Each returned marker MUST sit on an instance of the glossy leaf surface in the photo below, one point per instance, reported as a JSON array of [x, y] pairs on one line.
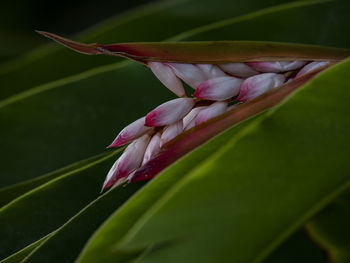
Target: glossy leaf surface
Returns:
[[50, 205], [277, 175], [165, 229]]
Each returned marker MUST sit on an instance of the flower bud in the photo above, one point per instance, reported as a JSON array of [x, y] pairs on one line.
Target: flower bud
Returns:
[[277, 66], [311, 66], [254, 86], [211, 111], [189, 73], [153, 148], [189, 119], [218, 89], [238, 69], [211, 71], [129, 161], [130, 132], [171, 132], [169, 112], [167, 76]]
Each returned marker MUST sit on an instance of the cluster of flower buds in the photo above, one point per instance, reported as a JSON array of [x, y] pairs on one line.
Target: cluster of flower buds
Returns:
[[218, 88]]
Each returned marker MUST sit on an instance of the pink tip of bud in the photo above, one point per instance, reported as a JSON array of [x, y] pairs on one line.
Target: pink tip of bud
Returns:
[[169, 112], [254, 86], [221, 88], [171, 132], [167, 76], [152, 149], [128, 162], [210, 112], [130, 132], [238, 69], [110, 178], [276, 66], [310, 67], [189, 73]]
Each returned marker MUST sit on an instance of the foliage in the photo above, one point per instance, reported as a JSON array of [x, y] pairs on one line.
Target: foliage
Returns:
[[243, 196]]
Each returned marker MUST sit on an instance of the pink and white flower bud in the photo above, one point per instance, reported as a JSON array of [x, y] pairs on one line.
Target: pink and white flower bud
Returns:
[[153, 148], [218, 89], [132, 157], [167, 76], [169, 112], [128, 162], [238, 69], [276, 66], [254, 86], [110, 178], [189, 73], [210, 112], [171, 132], [311, 66], [211, 71], [189, 120], [130, 132]]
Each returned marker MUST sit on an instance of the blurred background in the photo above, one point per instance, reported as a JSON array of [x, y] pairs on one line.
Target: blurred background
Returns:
[[19, 19]]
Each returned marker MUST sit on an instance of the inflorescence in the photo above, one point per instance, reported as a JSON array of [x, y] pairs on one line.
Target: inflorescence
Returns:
[[218, 88]]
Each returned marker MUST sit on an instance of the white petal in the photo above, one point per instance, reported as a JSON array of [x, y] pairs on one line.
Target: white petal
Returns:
[[210, 112], [211, 71], [153, 148], [167, 76], [110, 178], [238, 69], [130, 132], [188, 120], [169, 112], [311, 66], [276, 66], [189, 73], [132, 157], [171, 132], [221, 88], [254, 86]]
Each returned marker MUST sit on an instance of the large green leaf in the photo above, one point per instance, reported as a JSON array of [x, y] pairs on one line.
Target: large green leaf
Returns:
[[320, 24], [241, 201], [330, 229], [57, 116], [45, 208], [10, 193], [59, 123], [23, 253], [297, 248], [153, 23], [82, 225]]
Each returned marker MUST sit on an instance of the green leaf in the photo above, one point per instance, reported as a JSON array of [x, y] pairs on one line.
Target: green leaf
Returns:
[[156, 22], [310, 22], [20, 255], [330, 229], [59, 123], [45, 208], [10, 193], [297, 248], [241, 201], [61, 247]]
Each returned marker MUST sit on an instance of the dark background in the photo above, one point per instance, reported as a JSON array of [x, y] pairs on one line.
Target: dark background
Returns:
[[19, 19]]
